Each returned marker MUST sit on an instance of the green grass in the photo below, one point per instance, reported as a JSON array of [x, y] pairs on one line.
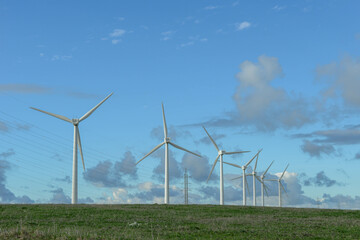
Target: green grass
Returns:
[[174, 222]]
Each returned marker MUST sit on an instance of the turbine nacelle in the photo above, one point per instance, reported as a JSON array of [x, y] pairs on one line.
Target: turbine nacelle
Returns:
[[221, 152], [167, 140], [75, 121]]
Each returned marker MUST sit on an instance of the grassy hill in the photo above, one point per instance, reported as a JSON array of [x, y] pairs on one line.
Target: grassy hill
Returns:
[[174, 222]]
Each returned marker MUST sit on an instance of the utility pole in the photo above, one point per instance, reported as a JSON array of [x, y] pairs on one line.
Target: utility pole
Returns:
[[186, 187]]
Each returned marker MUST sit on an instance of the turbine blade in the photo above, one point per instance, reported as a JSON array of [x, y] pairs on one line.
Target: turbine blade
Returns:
[[232, 164], [237, 178], [80, 148], [54, 115], [154, 149], [282, 186], [247, 185], [212, 169], [173, 144], [164, 120], [217, 148], [86, 115], [253, 158], [257, 158], [259, 179], [228, 153], [267, 169], [284, 172], [270, 180], [266, 191]]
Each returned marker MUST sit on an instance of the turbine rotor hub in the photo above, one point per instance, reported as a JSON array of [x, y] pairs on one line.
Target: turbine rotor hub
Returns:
[[75, 121], [221, 152], [167, 140]]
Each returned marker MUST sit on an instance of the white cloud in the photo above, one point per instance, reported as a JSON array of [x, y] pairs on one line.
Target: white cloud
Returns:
[[211, 7], [119, 195], [193, 40], [278, 8], [263, 105], [115, 36], [117, 33], [243, 25], [61, 57], [146, 186], [120, 18], [342, 79], [187, 44], [167, 35]]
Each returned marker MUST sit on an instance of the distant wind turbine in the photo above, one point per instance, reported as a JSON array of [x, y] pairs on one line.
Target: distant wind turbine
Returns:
[[263, 186], [220, 154], [77, 143], [280, 185], [244, 175], [166, 142]]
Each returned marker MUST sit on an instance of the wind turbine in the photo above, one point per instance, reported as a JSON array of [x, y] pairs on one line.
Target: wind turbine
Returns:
[[244, 175], [166, 142], [220, 154], [263, 186], [280, 185], [77, 143]]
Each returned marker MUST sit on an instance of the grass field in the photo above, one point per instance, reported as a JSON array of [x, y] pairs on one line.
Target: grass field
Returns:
[[174, 222]]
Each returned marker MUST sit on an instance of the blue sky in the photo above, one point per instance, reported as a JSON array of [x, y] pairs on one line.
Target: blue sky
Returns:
[[277, 75]]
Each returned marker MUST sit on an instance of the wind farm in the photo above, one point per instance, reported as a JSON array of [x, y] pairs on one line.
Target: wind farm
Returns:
[[179, 119]]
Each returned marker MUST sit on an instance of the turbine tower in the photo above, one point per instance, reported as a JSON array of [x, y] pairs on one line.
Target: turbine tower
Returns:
[[220, 154], [166, 142], [77, 143], [244, 175], [263, 186], [280, 185], [255, 176]]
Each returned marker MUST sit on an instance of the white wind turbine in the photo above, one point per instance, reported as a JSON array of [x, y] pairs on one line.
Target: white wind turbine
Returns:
[[263, 186], [280, 185], [220, 154], [77, 143], [166, 142], [244, 175]]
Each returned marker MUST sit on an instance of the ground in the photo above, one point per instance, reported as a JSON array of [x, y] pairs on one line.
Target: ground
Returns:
[[49, 221]]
